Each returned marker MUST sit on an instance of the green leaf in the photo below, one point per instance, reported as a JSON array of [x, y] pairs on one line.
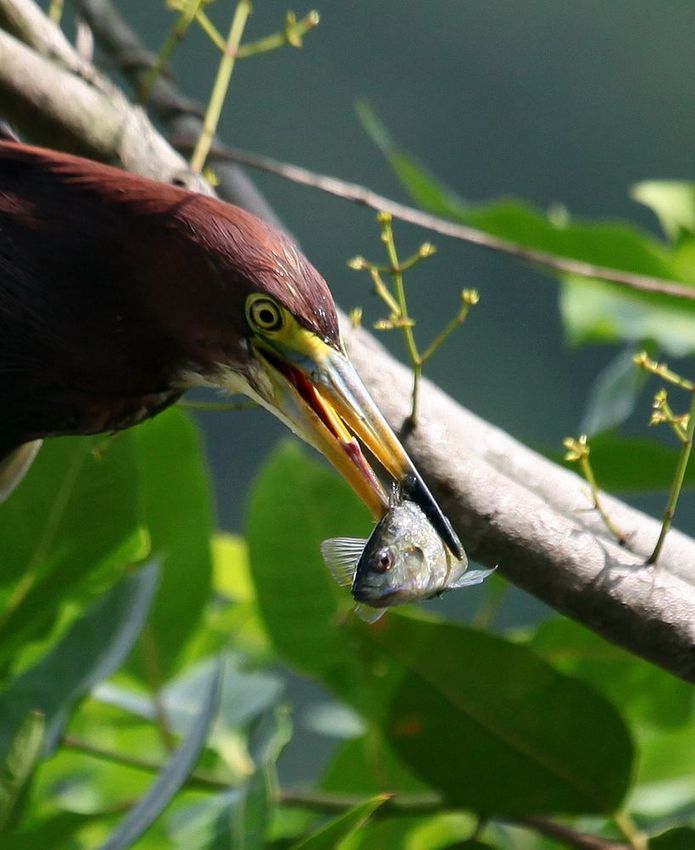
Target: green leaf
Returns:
[[422, 186], [331, 836], [51, 832], [416, 832], [294, 505], [673, 201], [593, 311], [643, 691], [205, 825], [256, 803], [613, 394], [177, 508], [368, 765], [72, 524], [680, 838], [22, 756], [494, 728], [95, 646], [171, 778], [632, 465]]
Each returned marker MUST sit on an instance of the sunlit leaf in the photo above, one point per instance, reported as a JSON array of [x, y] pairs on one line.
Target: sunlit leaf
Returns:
[[331, 836], [20, 760], [294, 505], [171, 778], [415, 832], [680, 838], [593, 311], [641, 690], [205, 825], [177, 507], [256, 803], [73, 522], [494, 728], [95, 646], [673, 201], [53, 831]]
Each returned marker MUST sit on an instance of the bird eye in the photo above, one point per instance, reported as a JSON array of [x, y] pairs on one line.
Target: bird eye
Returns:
[[384, 561], [264, 314]]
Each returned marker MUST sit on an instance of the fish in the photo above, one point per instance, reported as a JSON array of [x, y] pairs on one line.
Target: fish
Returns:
[[404, 560]]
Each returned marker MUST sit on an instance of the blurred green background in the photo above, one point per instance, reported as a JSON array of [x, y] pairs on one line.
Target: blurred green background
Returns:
[[565, 103]]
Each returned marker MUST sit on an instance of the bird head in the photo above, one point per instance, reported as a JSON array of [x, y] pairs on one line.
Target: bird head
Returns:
[[290, 357]]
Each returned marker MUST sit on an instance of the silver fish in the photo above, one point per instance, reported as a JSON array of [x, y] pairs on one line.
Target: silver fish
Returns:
[[404, 560]]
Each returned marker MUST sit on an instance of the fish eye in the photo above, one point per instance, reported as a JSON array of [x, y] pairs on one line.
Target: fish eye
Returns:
[[384, 561], [263, 314]]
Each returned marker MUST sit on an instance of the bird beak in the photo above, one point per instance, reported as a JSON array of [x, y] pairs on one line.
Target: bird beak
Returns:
[[320, 396]]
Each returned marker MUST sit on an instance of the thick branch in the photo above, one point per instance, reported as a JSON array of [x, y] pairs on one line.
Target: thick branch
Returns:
[[511, 506]]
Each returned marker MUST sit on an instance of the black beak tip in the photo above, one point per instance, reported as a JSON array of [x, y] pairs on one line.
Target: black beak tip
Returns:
[[416, 490]]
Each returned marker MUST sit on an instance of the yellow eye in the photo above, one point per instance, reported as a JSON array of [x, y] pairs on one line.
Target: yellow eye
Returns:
[[264, 314]]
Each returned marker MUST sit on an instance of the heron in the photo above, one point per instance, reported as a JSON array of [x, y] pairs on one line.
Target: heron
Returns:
[[119, 293]]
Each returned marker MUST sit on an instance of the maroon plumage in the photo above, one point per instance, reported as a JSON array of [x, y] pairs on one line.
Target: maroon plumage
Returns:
[[112, 286]]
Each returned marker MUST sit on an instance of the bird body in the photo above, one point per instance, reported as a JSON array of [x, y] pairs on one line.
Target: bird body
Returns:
[[119, 293]]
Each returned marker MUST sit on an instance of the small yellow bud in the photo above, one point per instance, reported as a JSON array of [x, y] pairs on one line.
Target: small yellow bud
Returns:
[[356, 317], [426, 250], [384, 217], [470, 296], [359, 264]]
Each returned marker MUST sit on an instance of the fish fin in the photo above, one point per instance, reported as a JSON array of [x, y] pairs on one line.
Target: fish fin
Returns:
[[341, 555], [369, 614], [471, 577], [15, 465]]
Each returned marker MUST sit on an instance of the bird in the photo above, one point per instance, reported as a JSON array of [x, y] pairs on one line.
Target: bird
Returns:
[[119, 293]]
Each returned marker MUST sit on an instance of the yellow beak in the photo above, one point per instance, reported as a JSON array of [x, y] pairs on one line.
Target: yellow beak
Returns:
[[320, 396]]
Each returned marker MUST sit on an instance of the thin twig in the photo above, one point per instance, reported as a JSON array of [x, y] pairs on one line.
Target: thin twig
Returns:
[[198, 780], [677, 484], [579, 450], [636, 839], [570, 837], [176, 35], [362, 195], [221, 85], [334, 803]]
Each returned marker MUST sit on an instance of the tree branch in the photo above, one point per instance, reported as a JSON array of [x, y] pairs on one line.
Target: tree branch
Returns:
[[366, 197], [511, 506]]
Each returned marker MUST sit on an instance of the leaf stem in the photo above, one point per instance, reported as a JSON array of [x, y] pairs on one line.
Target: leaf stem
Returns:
[[635, 838], [677, 484], [661, 370], [199, 780], [221, 85], [292, 34], [363, 196], [578, 450], [386, 220], [176, 35], [470, 297]]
